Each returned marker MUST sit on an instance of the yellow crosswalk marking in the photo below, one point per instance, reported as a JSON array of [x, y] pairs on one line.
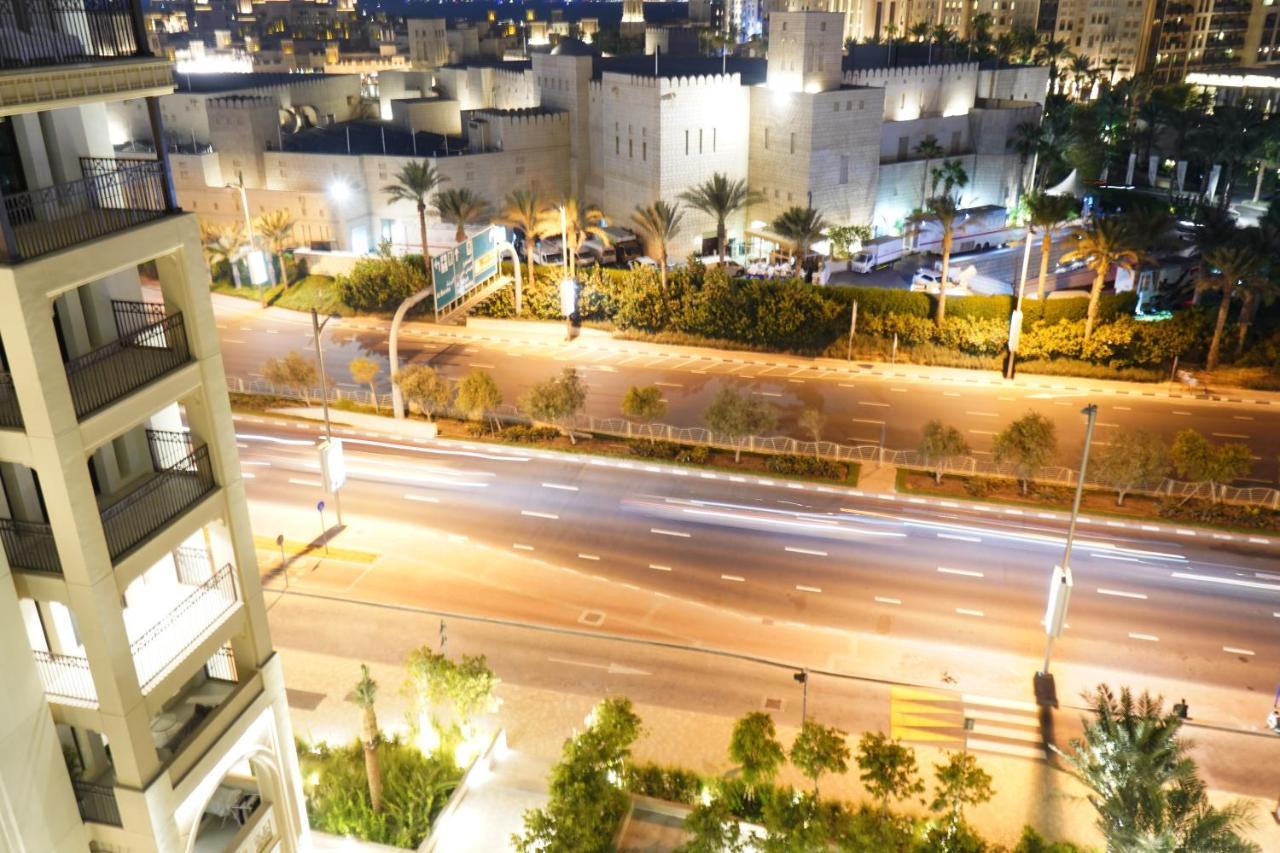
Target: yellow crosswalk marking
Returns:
[[922, 693], [922, 735]]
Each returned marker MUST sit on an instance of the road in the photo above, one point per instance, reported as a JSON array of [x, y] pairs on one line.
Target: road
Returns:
[[858, 407]]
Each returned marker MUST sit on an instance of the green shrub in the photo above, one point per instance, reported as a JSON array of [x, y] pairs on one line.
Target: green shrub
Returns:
[[977, 487], [415, 787], [696, 454], [807, 466], [381, 284], [676, 784], [646, 449], [998, 308], [1226, 515], [524, 434]]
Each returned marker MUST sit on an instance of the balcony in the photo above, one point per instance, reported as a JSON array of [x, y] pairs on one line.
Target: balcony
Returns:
[[66, 679], [190, 615], [35, 33], [97, 803], [29, 546], [10, 414], [150, 345], [182, 476], [113, 195]]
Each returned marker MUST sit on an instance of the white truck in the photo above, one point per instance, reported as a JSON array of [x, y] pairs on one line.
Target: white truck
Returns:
[[975, 228], [876, 254]]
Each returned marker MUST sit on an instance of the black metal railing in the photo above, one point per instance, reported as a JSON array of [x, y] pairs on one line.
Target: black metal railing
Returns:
[[115, 195], [161, 497], [35, 33], [132, 317], [10, 414], [29, 545], [106, 374], [155, 650], [66, 677], [97, 803]]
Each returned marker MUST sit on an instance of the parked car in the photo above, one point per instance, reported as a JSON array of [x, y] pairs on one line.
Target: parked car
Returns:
[[732, 267], [644, 261], [930, 281]]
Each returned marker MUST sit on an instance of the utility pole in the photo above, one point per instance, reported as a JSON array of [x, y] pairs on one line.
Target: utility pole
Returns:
[[853, 328], [316, 328]]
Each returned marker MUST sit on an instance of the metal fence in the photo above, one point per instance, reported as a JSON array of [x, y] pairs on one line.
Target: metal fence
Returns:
[[10, 413], [222, 665], [30, 546], [155, 650], [161, 498], [66, 678], [1054, 475], [104, 375], [97, 803], [57, 32]]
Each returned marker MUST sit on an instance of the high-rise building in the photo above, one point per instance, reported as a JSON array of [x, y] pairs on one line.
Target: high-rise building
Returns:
[[1201, 35], [143, 707], [1111, 33]]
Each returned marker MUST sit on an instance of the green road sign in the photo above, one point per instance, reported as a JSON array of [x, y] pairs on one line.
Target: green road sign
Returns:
[[468, 264]]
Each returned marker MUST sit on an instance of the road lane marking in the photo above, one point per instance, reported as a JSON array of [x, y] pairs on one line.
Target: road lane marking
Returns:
[[560, 486], [520, 547], [588, 557], [1187, 576], [1185, 414], [897, 390], [962, 572], [1229, 435], [984, 414], [873, 403], [982, 431], [661, 532], [658, 568], [1150, 638], [964, 611], [300, 482], [481, 365], [1241, 417], [1121, 593], [957, 536], [1123, 408], [886, 600], [805, 551], [804, 588], [668, 384], [1114, 557], [734, 578], [767, 393], [951, 393], [533, 514], [1232, 650], [248, 475], [426, 499]]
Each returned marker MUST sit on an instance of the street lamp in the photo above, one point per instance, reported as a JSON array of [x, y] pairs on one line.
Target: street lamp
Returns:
[[1060, 586], [248, 230], [331, 453]]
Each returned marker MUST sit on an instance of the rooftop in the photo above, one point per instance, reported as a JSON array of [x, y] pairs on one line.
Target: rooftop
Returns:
[[372, 137], [209, 84], [753, 71]]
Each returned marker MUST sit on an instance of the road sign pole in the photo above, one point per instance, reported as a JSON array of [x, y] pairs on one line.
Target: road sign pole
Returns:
[[324, 530], [284, 567]]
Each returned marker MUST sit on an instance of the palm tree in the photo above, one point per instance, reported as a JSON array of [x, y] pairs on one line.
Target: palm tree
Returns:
[[366, 691], [919, 30], [523, 211], [459, 207], [719, 197], [222, 243], [276, 230], [944, 209], [1048, 212], [580, 221], [1051, 52], [1083, 74], [951, 175], [1225, 269], [415, 182], [1103, 243], [659, 222], [1028, 137], [800, 226], [928, 148]]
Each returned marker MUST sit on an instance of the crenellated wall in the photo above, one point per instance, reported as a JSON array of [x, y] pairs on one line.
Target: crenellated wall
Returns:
[[921, 90]]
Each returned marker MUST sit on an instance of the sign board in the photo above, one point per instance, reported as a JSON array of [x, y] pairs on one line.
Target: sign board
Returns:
[[333, 465], [568, 297], [1015, 330], [258, 273], [468, 264], [1055, 614]]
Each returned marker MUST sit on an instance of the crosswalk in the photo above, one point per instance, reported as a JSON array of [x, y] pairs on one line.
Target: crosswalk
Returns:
[[948, 718]]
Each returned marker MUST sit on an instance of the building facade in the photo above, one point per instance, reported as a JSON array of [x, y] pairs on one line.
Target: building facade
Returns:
[[144, 705]]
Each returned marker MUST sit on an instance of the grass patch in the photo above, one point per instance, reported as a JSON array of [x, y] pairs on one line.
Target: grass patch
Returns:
[[1093, 502], [314, 291]]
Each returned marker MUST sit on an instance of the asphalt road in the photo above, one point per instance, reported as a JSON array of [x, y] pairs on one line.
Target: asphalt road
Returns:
[[857, 409]]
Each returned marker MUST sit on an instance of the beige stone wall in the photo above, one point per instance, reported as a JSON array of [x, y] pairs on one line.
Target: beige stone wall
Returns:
[[917, 91]]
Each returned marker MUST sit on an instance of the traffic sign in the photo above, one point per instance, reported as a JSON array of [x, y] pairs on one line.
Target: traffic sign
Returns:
[[457, 271]]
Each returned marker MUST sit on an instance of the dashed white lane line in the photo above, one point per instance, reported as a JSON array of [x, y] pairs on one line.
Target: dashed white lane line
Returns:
[[534, 514], [1119, 593], [898, 390], [886, 600], [951, 393], [297, 481], [734, 578], [1187, 576], [661, 532], [803, 588], [1114, 557], [423, 499], [1123, 408], [1241, 417], [983, 431], [592, 557], [967, 573], [1229, 435], [965, 611], [519, 547], [873, 403], [805, 551], [958, 537], [248, 475], [668, 384], [560, 486], [1232, 650], [1184, 414], [1150, 638], [481, 365], [984, 414], [658, 568]]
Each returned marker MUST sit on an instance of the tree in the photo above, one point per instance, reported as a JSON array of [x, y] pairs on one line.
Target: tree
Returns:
[[939, 443], [1133, 459], [1052, 52], [811, 422], [819, 749], [800, 226], [944, 209], [276, 230], [221, 244], [719, 197], [959, 782], [366, 691], [450, 694], [951, 175], [736, 416], [477, 395], [524, 211], [714, 829], [294, 371], [1028, 443], [423, 385], [415, 182], [585, 805], [580, 222], [1227, 267], [1103, 243], [659, 223], [644, 403], [1047, 213], [1195, 459], [381, 284], [460, 207], [1259, 289], [1143, 785], [557, 400], [365, 371], [755, 746], [929, 149], [889, 769]]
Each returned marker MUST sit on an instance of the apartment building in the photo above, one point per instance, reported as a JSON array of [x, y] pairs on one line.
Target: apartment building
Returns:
[[144, 707], [1185, 36]]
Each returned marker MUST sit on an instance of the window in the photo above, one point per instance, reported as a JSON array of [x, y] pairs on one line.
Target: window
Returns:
[[699, 140], [713, 140], [617, 145], [686, 142], [793, 142], [644, 151], [844, 168], [766, 139], [904, 145], [955, 142], [631, 149]]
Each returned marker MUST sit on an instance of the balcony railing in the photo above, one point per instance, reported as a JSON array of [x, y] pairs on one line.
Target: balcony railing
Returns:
[[104, 375], [67, 679], [222, 665], [97, 803], [177, 483], [167, 641], [34, 33], [10, 414], [112, 196], [29, 545]]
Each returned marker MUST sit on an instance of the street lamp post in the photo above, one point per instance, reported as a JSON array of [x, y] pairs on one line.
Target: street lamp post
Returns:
[[1060, 586], [248, 227], [316, 328]]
